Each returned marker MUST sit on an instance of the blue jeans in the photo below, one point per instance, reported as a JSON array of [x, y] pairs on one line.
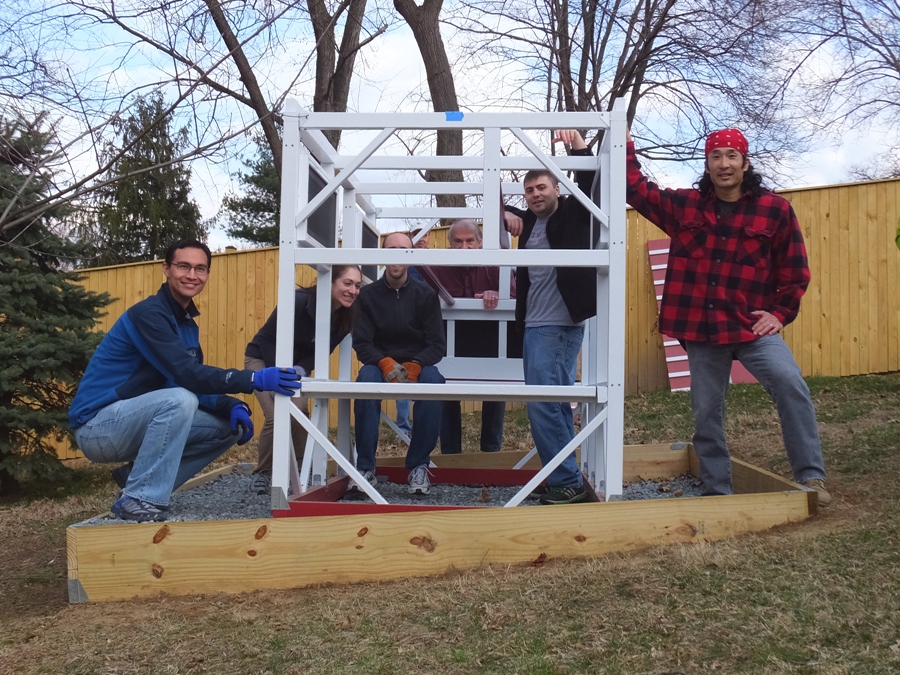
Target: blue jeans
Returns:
[[426, 422], [403, 415], [492, 414], [168, 438], [550, 357], [770, 361]]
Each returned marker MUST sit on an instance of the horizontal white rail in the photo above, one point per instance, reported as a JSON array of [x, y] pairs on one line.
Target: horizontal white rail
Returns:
[[423, 188], [453, 391], [463, 163], [543, 121], [437, 257]]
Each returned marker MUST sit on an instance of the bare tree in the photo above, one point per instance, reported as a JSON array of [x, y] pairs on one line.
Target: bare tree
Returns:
[[334, 64], [230, 65], [424, 21], [857, 42], [250, 36], [853, 48], [885, 166], [689, 66]]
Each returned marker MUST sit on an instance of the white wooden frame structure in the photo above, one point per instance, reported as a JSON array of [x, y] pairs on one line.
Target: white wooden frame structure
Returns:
[[306, 151]]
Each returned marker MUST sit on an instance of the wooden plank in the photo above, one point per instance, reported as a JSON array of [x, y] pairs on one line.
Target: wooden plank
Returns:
[[124, 561], [801, 329], [889, 203], [857, 254], [841, 262], [641, 462], [196, 481], [876, 281], [218, 324], [831, 296], [647, 462], [749, 479], [811, 307]]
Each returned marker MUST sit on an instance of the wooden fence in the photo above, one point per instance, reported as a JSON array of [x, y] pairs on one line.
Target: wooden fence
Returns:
[[849, 323]]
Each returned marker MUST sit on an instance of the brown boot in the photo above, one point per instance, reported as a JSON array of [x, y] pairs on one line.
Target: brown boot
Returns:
[[818, 485]]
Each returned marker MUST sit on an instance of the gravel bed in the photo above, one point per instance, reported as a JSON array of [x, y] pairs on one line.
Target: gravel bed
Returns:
[[229, 498]]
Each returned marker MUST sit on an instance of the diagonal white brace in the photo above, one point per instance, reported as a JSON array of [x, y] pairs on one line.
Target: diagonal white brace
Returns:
[[556, 461], [345, 174], [336, 455], [393, 425], [552, 167], [522, 462]]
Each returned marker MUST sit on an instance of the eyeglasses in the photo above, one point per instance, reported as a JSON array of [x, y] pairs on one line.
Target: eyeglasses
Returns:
[[184, 268]]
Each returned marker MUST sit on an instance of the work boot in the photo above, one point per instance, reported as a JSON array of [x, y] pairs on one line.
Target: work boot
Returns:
[[818, 485]]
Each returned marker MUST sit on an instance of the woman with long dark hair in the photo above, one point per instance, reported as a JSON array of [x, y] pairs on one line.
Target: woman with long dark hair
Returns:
[[260, 353]]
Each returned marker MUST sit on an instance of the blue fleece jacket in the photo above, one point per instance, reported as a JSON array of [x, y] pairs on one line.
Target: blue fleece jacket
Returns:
[[155, 345]]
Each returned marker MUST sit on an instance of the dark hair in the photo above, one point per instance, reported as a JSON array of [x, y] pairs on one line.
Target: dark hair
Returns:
[[752, 183], [540, 173], [342, 319], [188, 243]]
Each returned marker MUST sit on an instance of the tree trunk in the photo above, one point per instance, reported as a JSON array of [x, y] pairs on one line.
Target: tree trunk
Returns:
[[334, 68], [258, 101], [423, 21], [564, 55]]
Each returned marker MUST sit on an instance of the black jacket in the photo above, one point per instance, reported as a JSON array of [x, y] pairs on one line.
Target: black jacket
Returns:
[[404, 324], [262, 346], [568, 228]]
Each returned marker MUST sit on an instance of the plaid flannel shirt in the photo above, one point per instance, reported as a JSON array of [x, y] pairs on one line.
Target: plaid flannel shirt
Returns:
[[722, 267]]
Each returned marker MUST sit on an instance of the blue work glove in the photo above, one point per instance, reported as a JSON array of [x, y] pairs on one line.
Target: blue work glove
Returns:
[[241, 422], [277, 380]]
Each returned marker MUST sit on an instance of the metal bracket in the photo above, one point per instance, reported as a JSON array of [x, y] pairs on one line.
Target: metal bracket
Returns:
[[76, 592]]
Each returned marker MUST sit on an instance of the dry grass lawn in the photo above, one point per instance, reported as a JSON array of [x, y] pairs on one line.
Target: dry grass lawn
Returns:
[[819, 597]]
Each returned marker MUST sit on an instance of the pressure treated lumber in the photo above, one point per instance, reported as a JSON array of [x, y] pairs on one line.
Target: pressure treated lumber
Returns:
[[117, 562]]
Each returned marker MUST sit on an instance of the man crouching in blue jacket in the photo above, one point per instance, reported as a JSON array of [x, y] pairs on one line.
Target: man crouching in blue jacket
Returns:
[[146, 396]]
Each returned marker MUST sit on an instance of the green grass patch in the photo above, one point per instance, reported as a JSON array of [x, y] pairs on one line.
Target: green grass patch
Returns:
[[818, 598]]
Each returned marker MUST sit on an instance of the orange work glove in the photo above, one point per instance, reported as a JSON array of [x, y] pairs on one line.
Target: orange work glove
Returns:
[[412, 371], [391, 371]]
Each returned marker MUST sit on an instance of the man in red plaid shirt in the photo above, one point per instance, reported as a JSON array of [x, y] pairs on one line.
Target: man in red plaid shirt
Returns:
[[737, 270]]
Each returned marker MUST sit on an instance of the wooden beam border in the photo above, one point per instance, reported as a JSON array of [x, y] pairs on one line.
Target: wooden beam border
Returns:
[[118, 562]]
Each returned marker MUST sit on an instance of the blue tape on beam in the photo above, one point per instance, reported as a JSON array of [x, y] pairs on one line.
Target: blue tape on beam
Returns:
[[454, 116]]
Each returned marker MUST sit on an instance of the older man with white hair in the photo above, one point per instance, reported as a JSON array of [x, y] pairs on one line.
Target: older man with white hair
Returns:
[[473, 338]]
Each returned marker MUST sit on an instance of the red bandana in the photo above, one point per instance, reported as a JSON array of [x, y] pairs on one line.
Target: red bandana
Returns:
[[727, 138]]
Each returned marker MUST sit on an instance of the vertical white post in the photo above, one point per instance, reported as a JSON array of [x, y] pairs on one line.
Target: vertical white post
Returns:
[[615, 422], [491, 197], [352, 231], [322, 361], [295, 179], [344, 443]]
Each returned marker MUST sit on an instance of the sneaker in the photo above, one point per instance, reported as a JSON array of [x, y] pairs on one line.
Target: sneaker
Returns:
[[418, 480], [121, 474], [539, 491], [370, 478], [261, 483], [818, 485], [562, 494], [129, 508]]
